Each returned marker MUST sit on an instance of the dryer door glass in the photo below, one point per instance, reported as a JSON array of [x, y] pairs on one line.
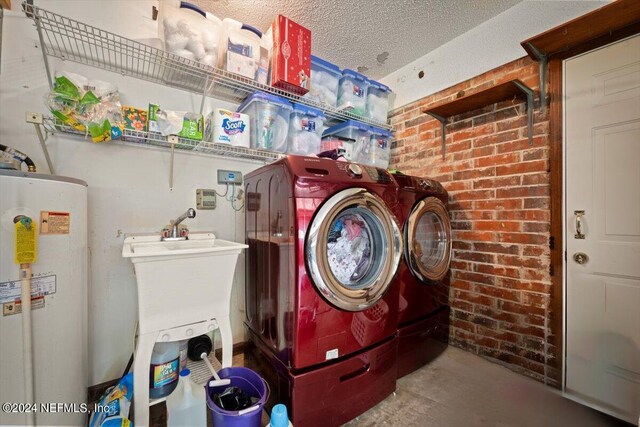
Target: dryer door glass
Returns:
[[428, 240], [353, 249]]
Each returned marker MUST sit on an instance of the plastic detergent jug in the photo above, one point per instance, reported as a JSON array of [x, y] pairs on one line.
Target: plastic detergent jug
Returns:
[[187, 406], [165, 364]]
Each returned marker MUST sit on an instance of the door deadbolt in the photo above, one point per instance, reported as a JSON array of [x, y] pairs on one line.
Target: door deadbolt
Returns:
[[578, 216], [580, 257]]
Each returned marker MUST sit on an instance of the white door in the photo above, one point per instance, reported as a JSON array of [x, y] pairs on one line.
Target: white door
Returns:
[[602, 125]]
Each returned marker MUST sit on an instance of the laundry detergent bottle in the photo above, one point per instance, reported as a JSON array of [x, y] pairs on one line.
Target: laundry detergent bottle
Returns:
[[279, 417], [164, 369]]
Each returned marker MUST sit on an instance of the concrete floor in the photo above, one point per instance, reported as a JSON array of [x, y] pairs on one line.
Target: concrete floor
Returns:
[[462, 389]]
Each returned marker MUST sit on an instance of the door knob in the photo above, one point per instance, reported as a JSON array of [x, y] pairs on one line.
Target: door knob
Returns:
[[580, 257]]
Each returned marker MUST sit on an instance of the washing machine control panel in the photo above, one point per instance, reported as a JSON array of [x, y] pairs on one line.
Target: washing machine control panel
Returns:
[[378, 175]]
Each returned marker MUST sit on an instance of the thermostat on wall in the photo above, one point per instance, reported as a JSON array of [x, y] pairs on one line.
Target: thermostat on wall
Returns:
[[205, 199]]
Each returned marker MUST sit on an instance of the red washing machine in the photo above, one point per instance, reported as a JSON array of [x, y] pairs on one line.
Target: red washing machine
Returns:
[[423, 281], [324, 248]]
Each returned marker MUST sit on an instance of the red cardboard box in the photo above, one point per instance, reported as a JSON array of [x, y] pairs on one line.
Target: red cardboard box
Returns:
[[291, 58]]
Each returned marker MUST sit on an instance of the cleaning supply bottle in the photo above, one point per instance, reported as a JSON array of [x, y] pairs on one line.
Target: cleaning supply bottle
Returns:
[[183, 354], [279, 416], [187, 406], [165, 364]]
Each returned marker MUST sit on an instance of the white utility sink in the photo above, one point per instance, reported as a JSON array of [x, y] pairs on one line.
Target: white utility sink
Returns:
[[153, 246], [181, 281], [184, 290]]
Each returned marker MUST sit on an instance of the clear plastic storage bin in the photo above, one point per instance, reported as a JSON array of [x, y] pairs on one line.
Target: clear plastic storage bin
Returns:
[[378, 101], [189, 31], [380, 150], [354, 136], [240, 49], [305, 130], [352, 92], [269, 118], [325, 79], [333, 142]]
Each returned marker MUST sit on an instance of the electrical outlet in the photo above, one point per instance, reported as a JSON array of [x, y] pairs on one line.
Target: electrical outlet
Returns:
[[205, 199], [229, 177]]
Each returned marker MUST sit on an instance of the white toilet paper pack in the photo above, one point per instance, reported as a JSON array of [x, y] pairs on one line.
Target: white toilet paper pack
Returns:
[[227, 127]]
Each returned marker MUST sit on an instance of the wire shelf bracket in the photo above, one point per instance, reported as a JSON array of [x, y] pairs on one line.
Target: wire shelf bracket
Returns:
[[37, 120]]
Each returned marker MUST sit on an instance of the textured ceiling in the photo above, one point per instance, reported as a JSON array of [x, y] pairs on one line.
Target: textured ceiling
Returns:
[[381, 35]]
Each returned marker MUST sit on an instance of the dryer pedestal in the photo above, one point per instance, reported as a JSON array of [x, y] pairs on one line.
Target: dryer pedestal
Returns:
[[347, 387], [422, 341]]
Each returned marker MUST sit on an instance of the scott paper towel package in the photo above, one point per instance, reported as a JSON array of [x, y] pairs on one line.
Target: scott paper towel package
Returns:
[[227, 127]]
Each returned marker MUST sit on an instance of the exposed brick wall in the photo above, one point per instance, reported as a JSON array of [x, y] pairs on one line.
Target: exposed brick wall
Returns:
[[499, 204]]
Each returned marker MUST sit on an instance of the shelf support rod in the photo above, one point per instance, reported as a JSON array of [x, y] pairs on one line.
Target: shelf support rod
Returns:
[[543, 60], [172, 139], [443, 131], [529, 93], [37, 120], [204, 94], [43, 50], [1, 19]]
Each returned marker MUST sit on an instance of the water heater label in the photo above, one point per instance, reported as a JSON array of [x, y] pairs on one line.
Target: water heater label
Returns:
[[9, 308], [11, 291], [25, 242], [54, 222]]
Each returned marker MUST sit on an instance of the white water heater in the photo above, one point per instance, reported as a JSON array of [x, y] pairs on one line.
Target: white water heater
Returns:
[[58, 209]]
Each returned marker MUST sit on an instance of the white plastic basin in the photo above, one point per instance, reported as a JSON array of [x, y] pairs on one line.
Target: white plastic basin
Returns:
[[181, 282], [198, 243]]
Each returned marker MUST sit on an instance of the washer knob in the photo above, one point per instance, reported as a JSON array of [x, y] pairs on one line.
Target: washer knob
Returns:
[[354, 170]]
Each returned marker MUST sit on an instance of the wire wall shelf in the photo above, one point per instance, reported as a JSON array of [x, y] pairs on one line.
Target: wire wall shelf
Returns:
[[72, 40], [52, 125]]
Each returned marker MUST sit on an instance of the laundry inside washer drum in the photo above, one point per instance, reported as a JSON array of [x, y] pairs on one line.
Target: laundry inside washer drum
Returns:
[[350, 247]]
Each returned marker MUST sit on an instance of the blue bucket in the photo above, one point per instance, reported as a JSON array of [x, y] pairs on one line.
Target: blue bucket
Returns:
[[249, 382]]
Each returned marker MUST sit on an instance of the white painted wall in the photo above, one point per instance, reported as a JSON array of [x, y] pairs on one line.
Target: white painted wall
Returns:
[[487, 46], [128, 187]]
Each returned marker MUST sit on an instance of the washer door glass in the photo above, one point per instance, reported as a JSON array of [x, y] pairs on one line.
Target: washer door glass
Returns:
[[353, 249], [428, 240], [355, 237]]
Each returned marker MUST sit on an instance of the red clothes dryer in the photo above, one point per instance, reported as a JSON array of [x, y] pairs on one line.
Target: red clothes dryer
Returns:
[[324, 248], [423, 281]]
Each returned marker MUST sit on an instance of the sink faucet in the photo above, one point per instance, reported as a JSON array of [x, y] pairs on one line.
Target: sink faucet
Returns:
[[171, 232]]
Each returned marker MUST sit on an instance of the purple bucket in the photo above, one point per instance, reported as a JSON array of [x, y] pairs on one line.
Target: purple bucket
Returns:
[[249, 382]]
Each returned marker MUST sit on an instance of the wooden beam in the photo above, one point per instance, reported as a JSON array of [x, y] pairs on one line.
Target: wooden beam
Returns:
[[605, 21], [5, 4], [556, 305]]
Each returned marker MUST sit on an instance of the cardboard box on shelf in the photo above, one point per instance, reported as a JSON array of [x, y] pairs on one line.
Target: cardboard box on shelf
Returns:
[[291, 56], [192, 126], [134, 118], [152, 119]]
